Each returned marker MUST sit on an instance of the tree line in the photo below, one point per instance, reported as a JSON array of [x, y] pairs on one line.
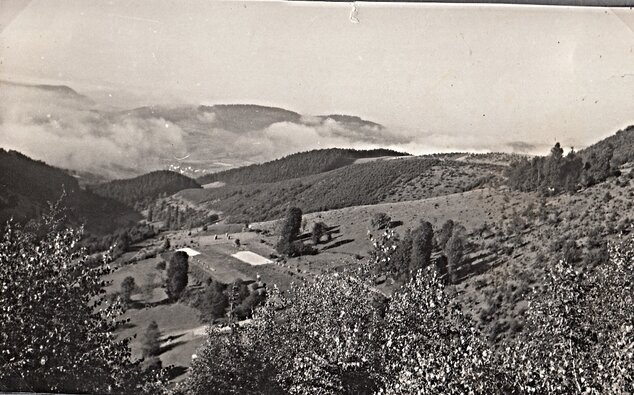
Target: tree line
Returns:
[[556, 173]]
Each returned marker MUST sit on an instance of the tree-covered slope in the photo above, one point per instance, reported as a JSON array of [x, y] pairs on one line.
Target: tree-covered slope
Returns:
[[366, 183], [296, 165], [145, 188], [27, 185], [620, 146]]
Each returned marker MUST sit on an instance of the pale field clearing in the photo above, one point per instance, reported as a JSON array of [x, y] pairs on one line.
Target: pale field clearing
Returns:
[[251, 258]]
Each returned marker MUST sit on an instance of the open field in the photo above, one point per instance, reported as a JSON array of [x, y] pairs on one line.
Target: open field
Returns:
[[251, 258]]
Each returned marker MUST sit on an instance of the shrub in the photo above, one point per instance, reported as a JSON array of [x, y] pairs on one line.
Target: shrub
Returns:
[[380, 221], [318, 231], [445, 233]]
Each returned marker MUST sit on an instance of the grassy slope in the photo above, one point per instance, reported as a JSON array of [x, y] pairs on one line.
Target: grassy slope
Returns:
[[502, 265]]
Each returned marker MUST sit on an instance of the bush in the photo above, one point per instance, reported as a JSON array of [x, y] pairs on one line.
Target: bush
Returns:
[[380, 221], [318, 231]]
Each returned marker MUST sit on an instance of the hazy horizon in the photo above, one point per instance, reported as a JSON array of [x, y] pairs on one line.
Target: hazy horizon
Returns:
[[439, 77]]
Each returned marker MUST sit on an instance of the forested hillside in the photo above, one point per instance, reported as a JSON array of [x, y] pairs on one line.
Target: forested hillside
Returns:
[[141, 190], [359, 184], [295, 165], [27, 186], [558, 172], [617, 146]]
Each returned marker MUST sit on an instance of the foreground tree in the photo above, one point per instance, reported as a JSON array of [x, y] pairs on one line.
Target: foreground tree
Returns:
[[230, 363], [429, 347], [580, 331], [57, 331], [322, 336]]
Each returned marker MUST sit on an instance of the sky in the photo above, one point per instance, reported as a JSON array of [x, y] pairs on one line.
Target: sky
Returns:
[[465, 75]]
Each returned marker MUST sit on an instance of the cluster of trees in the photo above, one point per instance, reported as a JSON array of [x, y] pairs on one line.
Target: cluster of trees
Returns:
[[294, 166], [118, 241], [236, 300], [290, 243], [401, 257], [57, 330], [140, 191], [336, 335], [556, 172]]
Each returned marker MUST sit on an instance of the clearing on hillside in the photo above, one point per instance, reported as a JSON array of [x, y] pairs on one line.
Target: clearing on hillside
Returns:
[[251, 258]]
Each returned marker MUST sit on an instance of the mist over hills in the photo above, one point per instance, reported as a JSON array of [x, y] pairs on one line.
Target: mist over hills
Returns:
[[69, 130]]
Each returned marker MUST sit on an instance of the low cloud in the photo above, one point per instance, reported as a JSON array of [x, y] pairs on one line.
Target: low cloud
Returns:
[[65, 130], [68, 130]]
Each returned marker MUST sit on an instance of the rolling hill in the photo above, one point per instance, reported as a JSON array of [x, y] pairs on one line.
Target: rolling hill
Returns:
[[145, 188], [27, 186], [296, 165], [399, 179]]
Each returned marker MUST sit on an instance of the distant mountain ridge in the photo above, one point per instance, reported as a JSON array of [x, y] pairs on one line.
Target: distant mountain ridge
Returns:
[[27, 185], [296, 165], [244, 117], [63, 90]]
